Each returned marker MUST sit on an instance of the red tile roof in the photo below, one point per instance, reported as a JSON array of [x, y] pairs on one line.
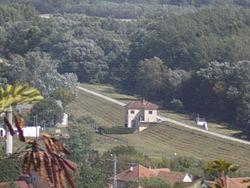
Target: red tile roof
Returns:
[[172, 176], [232, 183], [142, 104], [19, 184], [140, 171]]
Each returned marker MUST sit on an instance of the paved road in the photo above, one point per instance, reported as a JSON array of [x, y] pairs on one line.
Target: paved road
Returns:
[[102, 96], [168, 119]]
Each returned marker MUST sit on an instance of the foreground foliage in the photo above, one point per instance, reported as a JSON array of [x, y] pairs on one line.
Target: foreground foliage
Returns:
[[220, 170], [19, 94], [48, 163]]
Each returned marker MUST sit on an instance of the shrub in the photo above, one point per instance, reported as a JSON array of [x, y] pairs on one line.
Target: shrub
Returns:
[[176, 104], [119, 130]]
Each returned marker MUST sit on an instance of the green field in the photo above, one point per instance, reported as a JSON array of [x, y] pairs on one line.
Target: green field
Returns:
[[166, 140], [105, 114], [161, 140], [110, 91]]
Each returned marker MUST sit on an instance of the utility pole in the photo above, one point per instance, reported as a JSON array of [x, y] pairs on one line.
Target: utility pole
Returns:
[[36, 124], [9, 138], [44, 125], [114, 171]]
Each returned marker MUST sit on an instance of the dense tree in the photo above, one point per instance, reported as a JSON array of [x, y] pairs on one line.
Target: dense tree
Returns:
[[39, 70], [49, 111], [80, 142], [243, 112], [173, 82], [148, 183], [184, 39], [63, 95], [149, 77], [223, 89], [183, 164], [125, 156], [13, 169], [90, 172], [13, 12]]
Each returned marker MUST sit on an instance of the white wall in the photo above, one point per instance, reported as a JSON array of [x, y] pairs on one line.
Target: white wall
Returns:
[[141, 128], [187, 179], [150, 117], [31, 131], [131, 117], [65, 119], [27, 131]]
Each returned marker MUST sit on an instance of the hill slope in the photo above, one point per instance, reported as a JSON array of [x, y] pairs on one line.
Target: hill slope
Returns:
[[162, 140], [106, 114]]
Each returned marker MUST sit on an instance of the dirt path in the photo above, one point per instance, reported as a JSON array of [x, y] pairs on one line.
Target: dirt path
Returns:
[[168, 119]]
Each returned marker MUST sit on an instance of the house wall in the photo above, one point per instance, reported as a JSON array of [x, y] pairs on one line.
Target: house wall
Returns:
[[132, 117], [150, 117], [31, 131], [187, 179], [142, 128], [201, 123], [147, 116]]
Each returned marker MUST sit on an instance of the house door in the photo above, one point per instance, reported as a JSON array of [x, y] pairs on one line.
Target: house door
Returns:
[[133, 123]]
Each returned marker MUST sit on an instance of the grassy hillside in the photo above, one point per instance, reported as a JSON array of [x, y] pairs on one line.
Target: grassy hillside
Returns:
[[103, 112], [162, 140], [166, 140], [221, 128]]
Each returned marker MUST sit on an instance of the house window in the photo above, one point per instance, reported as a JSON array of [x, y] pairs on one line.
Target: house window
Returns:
[[132, 111], [150, 112]]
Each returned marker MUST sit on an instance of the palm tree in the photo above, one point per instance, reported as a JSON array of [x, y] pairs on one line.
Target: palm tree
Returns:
[[47, 161], [220, 168], [19, 94]]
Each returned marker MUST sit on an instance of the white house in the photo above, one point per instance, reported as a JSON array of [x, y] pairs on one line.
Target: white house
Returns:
[[202, 122], [27, 131], [138, 171], [140, 111], [31, 131], [64, 122]]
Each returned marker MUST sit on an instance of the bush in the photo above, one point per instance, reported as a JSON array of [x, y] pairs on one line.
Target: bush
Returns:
[[10, 169], [119, 130], [64, 95], [176, 104], [148, 183], [49, 111]]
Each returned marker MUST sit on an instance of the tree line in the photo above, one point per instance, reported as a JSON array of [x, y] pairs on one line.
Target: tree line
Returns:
[[195, 61]]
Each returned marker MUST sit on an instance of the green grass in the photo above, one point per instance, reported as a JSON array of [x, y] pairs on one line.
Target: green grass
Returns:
[[160, 140], [221, 128], [167, 139], [105, 114], [110, 91]]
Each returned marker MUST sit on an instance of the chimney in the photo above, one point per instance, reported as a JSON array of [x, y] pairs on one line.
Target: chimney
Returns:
[[131, 166], [143, 101]]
